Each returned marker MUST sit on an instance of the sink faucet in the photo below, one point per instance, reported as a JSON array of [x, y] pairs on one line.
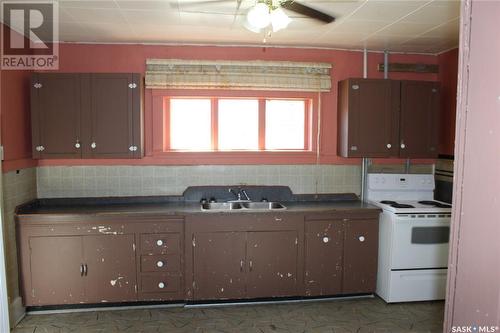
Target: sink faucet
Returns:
[[241, 193]]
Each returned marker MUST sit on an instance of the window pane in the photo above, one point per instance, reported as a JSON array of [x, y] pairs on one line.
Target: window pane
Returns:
[[285, 124], [190, 124], [238, 124]]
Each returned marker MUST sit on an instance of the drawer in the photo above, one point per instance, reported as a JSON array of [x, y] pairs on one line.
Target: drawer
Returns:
[[160, 283], [160, 243], [161, 263]]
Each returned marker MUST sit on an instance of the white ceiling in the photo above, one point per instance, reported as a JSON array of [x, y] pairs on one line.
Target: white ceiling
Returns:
[[425, 26]]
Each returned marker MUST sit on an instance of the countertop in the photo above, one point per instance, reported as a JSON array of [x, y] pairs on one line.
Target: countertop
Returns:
[[106, 207]]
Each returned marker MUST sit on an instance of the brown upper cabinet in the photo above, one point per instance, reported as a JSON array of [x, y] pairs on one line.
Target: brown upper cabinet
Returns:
[[418, 130], [86, 115], [55, 115], [387, 118]]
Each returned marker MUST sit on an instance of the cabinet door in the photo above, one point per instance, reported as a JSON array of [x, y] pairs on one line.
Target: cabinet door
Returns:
[[369, 118], [55, 115], [272, 263], [112, 122], [323, 257], [56, 271], [111, 269], [419, 119], [360, 256], [219, 265]]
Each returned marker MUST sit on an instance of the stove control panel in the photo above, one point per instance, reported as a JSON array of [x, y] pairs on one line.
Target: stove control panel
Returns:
[[395, 182]]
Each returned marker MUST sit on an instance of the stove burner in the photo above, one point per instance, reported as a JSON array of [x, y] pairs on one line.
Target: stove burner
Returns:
[[388, 202], [400, 205], [434, 203]]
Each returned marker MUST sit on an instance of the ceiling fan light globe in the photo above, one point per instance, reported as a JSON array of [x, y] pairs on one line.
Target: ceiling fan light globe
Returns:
[[251, 28], [259, 16], [279, 20]]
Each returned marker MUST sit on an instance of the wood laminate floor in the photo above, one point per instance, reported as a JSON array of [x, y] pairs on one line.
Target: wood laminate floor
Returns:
[[353, 316]]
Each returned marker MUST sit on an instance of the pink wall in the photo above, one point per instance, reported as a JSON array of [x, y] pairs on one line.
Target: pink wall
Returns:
[[473, 296], [448, 72], [131, 58], [15, 119]]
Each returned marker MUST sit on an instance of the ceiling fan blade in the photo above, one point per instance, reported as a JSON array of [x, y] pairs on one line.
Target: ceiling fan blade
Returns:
[[238, 5], [299, 8]]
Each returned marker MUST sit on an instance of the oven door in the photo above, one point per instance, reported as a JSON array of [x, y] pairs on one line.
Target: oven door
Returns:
[[420, 241]]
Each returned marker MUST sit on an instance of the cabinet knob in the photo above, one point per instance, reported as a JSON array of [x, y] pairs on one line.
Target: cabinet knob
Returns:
[[403, 146], [160, 264], [39, 148], [132, 85], [93, 145], [354, 148], [159, 242], [355, 87], [389, 146], [132, 148], [161, 285], [77, 145], [37, 85], [326, 239], [361, 238]]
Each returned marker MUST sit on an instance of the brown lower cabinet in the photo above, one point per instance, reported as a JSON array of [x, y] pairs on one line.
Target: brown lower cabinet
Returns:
[[95, 259], [73, 269], [360, 256], [243, 256], [341, 255], [324, 251], [219, 265]]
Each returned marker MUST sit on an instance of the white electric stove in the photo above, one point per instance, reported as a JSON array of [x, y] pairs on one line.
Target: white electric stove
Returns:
[[413, 237]]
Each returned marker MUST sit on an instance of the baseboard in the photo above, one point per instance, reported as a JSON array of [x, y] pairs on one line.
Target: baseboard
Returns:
[[16, 311]]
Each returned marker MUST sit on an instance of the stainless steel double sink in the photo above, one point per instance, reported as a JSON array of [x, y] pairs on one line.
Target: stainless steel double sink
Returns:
[[241, 206]]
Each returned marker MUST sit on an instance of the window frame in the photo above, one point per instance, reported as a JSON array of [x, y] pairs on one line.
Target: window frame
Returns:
[[214, 116], [159, 137]]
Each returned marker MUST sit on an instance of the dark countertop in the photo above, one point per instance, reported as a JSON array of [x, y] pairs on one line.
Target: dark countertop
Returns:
[[106, 207]]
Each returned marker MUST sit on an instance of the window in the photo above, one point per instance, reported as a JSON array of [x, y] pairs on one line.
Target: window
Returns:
[[285, 124], [190, 124], [238, 124]]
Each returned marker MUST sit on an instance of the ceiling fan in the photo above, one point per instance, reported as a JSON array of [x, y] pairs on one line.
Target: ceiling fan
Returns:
[[269, 13]]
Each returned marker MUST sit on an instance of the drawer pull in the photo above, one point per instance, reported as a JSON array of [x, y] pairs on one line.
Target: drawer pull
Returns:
[[160, 263], [159, 242], [326, 239], [161, 285], [361, 238]]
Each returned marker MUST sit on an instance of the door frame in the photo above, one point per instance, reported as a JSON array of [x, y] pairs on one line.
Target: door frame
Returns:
[[4, 302]]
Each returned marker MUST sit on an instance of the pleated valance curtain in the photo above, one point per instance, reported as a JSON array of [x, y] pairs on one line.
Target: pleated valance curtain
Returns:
[[240, 75]]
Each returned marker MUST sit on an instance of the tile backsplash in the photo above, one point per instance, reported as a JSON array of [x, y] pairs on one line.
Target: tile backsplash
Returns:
[[97, 181]]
